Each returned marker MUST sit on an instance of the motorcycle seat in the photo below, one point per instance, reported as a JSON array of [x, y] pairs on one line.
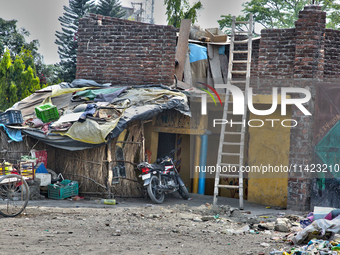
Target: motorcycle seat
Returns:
[[158, 167]]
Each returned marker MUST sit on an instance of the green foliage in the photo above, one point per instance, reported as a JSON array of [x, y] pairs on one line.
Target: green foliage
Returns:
[[17, 80], [279, 14], [49, 75], [67, 39], [14, 39], [110, 8], [176, 10]]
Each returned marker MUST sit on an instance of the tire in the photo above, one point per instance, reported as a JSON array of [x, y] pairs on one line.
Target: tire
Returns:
[[154, 194], [14, 195], [183, 192]]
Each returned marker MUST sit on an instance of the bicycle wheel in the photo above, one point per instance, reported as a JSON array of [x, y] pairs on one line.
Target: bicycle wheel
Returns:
[[14, 195]]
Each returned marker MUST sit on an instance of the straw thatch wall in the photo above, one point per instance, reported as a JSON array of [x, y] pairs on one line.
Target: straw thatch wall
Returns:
[[12, 151], [88, 167]]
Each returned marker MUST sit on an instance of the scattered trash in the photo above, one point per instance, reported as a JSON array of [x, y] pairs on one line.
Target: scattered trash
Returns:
[[282, 225], [239, 231], [320, 227], [207, 218], [265, 244], [266, 226], [77, 198], [281, 214], [106, 201], [196, 219], [267, 232]]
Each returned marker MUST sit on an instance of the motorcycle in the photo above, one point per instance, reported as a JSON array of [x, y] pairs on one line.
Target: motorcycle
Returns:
[[162, 177]]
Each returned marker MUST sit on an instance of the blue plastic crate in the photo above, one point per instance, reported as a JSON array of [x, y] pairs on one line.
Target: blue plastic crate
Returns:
[[11, 117], [64, 191]]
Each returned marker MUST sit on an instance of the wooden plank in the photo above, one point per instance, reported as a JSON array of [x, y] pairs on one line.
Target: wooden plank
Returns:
[[182, 47], [215, 67], [154, 146], [176, 130], [224, 66], [187, 70]]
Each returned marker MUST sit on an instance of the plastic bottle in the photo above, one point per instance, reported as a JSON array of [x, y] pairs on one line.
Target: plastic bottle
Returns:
[[106, 201]]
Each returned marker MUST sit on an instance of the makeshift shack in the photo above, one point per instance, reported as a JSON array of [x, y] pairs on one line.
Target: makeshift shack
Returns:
[[98, 133]]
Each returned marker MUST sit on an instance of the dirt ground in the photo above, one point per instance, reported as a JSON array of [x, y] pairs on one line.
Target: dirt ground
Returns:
[[131, 228]]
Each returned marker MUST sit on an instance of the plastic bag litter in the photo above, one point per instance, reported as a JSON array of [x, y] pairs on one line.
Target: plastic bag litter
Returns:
[[322, 226]]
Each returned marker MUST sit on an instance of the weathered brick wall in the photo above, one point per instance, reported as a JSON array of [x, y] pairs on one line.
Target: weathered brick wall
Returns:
[[125, 52], [255, 58], [301, 151], [332, 54], [310, 42], [298, 57], [277, 53]]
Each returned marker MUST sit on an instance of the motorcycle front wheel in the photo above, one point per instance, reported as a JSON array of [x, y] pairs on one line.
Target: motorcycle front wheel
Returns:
[[155, 194]]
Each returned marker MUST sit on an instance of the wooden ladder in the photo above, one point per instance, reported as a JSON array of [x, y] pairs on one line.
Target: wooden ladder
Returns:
[[237, 77]]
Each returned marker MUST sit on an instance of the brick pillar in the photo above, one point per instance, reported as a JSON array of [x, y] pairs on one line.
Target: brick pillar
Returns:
[[308, 67], [310, 43]]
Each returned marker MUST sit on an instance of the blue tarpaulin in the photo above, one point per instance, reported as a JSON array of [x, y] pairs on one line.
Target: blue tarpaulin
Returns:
[[14, 134], [197, 52]]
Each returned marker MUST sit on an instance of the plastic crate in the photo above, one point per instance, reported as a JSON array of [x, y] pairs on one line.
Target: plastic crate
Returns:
[[61, 192], [47, 112], [11, 117]]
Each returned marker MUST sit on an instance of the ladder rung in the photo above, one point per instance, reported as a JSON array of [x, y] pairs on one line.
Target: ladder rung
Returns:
[[229, 175], [240, 61], [240, 42], [228, 186], [232, 133], [230, 154], [241, 22], [240, 51], [232, 143], [238, 71], [238, 81]]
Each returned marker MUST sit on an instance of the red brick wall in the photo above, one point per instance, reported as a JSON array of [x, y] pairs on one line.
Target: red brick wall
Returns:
[[310, 42], [125, 52], [277, 53], [332, 54]]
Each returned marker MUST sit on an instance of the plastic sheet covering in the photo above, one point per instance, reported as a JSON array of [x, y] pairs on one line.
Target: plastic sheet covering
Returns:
[[61, 142], [80, 83], [92, 94], [139, 103], [144, 103], [14, 134]]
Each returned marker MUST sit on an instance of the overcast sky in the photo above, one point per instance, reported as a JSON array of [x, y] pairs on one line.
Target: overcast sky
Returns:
[[40, 18]]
